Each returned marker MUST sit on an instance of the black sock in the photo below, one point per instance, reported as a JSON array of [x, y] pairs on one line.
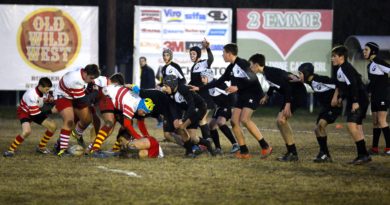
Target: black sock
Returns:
[[205, 129], [228, 133], [361, 148], [386, 133], [244, 149], [188, 146], [376, 132], [215, 137], [263, 144], [292, 149], [322, 141]]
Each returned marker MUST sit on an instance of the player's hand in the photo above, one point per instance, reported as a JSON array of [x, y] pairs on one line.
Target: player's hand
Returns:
[[232, 89], [264, 100], [177, 123], [287, 110], [205, 43], [193, 88], [334, 102], [355, 107]]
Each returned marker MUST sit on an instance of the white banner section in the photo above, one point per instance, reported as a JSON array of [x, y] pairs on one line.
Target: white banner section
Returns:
[[45, 41], [179, 28]]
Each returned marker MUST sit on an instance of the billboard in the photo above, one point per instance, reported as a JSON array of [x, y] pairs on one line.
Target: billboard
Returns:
[[287, 37], [179, 28], [40, 41]]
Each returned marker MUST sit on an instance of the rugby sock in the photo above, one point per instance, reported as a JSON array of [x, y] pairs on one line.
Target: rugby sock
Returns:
[[244, 149], [228, 133], [205, 129], [386, 133], [116, 146], [263, 144], [46, 137], [215, 137], [322, 141], [361, 148], [101, 136], [78, 130], [376, 132], [64, 138], [292, 149], [206, 143], [18, 140], [188, 146]]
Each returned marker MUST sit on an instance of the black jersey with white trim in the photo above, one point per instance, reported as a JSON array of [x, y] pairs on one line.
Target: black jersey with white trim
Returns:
[[323, 88], [187, 100], [173, 69], [378, 71], [349, 82], [240, 75], [164, 105], [220, 97], [199, 67]]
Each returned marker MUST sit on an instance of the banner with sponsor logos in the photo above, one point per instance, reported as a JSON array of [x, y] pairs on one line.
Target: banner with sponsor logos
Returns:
[[45, 41], [286, 37], [179, 28]]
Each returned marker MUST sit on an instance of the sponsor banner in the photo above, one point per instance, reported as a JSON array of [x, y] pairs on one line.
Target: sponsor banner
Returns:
[[180, 29], [45, 41], [287, 37]]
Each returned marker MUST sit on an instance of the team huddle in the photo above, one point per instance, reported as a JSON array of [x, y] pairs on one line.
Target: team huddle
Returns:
[[185, 107]]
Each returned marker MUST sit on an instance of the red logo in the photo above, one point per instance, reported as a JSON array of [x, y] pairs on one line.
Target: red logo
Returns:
[[175, 46]]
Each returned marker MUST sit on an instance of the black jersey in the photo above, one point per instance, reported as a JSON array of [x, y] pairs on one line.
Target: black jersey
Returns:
[[187, 100], [163, 104], [349, 82], [239, 74], [173, 69], [199, 67], [279, 80], [220, 97], [323, 88], [378, 71]]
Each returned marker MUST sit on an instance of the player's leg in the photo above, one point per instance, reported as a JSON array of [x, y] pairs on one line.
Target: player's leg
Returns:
[[51, 127], [382, 115], [376, 133], [321, 135], [286, 132], [26, 131], [246, 120], [237, 131]]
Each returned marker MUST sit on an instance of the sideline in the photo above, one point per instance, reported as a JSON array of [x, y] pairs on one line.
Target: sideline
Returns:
[[128, 173]]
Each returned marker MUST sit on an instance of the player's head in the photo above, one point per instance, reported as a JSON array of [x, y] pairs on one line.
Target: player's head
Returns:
[[257, 62], [370, 49], [145, 106], [195, 53], [305, 71], [170, 83], [90, 72], [207, 76], [142, 61], [339, 55], [230, 51], [167, 55], [117, 79], [44, 85]]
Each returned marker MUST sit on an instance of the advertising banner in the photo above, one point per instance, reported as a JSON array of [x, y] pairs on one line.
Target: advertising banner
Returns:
[[179, 28], [287, 37], [45, 41]]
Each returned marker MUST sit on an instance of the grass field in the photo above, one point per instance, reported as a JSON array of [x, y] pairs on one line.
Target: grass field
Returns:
[[29, 178]]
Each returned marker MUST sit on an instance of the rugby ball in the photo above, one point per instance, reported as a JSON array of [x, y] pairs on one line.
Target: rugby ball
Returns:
[[76, 150]]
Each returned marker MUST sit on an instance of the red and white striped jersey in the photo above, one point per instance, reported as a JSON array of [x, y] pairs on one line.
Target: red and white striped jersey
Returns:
[[71, 85], [123, 99], [101, 81], [32, 101]]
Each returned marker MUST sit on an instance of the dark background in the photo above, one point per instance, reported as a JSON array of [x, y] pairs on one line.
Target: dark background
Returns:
[[350, 17]]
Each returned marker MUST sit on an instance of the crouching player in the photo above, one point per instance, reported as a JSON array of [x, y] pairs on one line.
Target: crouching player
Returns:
[[324, 89], [222, 114], [146, 147], [30, 109]]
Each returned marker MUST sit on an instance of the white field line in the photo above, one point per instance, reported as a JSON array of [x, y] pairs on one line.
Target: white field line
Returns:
[[128, 173], [301, 131]]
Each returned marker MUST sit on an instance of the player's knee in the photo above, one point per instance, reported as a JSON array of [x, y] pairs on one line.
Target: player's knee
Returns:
[[281, 121], [109, 123], [221, 123], [26, 133], [52, 126], [69, 124]]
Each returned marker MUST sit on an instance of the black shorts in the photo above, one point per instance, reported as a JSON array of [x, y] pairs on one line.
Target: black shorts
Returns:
[[168, 123], [248, 100], [379, 105], [196, 117], [207, 98], [298, 97], [223, 112], [357, 116], [329, 114]]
